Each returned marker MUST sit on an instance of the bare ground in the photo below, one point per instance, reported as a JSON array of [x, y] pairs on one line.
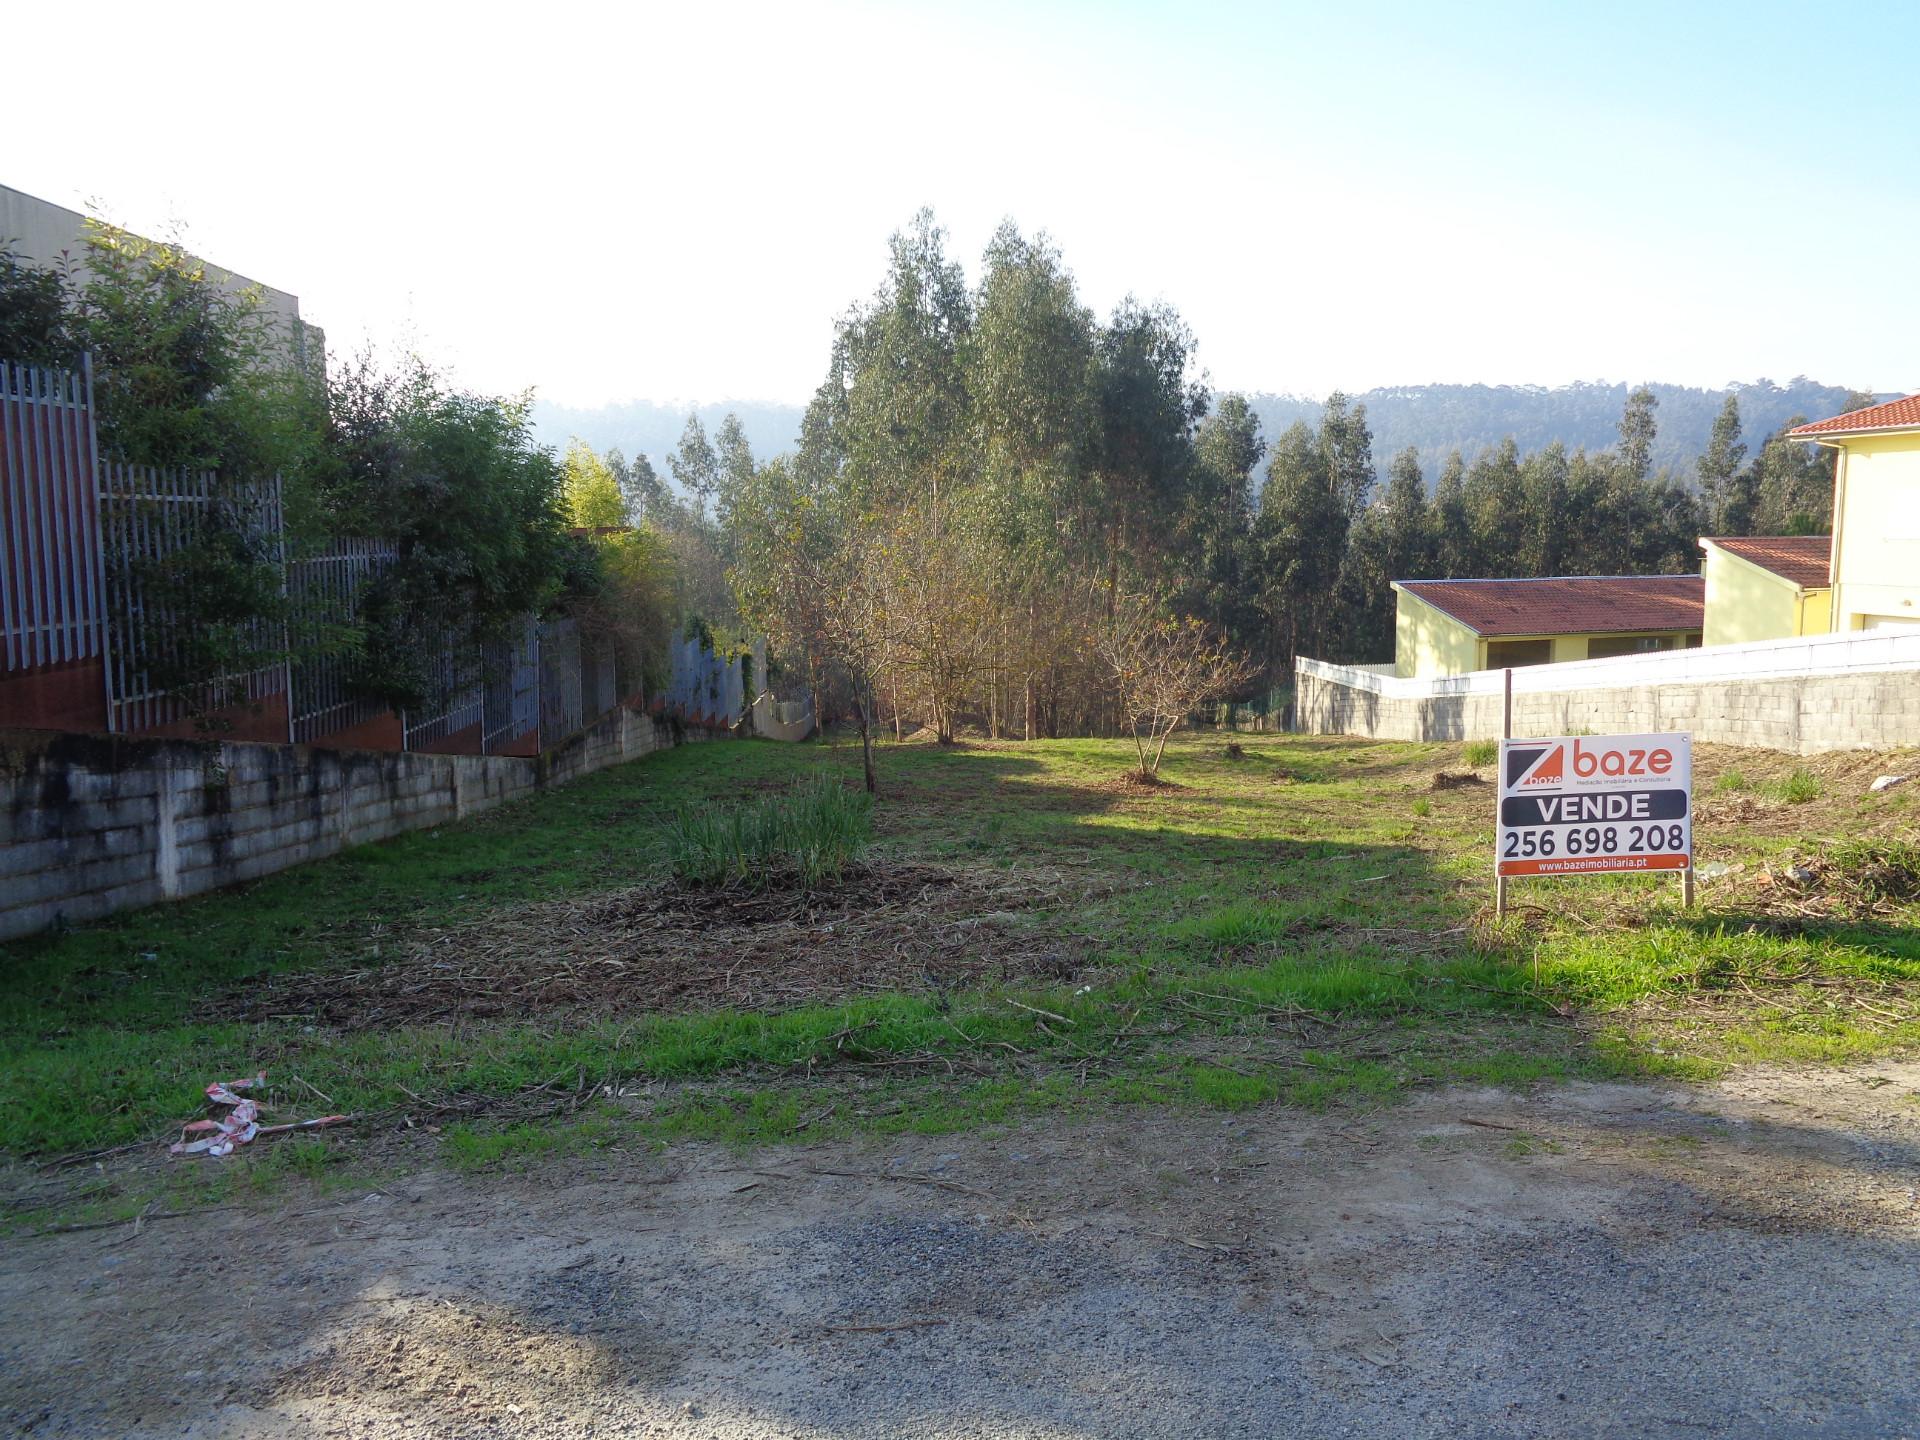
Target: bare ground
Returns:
[[1729, 1260], [887, 925]]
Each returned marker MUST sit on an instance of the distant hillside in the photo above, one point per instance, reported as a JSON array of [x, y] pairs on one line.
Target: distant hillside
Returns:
[[1433, 418], [644, 428], [1436, 419]]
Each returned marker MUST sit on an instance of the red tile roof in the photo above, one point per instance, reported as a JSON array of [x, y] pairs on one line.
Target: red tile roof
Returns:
[[1894, 415], [1804, 559], [1569, 605]]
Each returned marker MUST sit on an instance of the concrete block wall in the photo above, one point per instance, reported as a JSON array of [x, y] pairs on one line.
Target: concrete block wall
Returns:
[[1800, 714], [91, 824]]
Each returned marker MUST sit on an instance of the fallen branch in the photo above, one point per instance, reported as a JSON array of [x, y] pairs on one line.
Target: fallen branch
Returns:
[[932, 1180], [882, 1329], [135, 1220]]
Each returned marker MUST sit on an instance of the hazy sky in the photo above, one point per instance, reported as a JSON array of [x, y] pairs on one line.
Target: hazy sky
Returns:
[[674, 202]]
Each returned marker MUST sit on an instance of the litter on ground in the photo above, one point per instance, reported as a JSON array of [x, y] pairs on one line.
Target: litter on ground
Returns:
[[240, 1125]]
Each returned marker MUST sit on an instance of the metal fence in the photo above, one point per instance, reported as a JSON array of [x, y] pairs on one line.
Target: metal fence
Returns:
[[90, 552], [148, 517], [323, 591], [562, 709], [511, 674], [458, 699], [52, 584]]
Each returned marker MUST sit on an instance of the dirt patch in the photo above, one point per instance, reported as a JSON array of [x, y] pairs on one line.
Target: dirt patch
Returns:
[[1456, 780], [662, 947]]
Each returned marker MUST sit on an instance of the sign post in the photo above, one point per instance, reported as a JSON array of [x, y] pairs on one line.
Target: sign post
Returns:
[[1588, 805]]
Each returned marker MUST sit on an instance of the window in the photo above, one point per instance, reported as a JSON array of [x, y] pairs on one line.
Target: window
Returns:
[[1511, 654], [1606, 647]]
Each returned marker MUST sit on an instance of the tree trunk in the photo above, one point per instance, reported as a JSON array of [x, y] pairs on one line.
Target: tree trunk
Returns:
[[863, 709]]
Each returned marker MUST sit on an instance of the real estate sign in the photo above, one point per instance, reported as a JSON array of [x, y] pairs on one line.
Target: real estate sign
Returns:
[[1580, 804]]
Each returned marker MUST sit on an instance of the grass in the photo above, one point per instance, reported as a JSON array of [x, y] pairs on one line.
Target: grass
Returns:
[[1478, 753], [1272, 928], [813, 832], [1800, 787]]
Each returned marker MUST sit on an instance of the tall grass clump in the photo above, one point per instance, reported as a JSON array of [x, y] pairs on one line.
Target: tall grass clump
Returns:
[[1480, 752], [1800, 787], [809, 834]]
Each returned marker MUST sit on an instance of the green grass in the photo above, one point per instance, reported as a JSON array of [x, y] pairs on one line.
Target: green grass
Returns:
[[1478, 753], [1799, 788], [1269, 929], [813, 832]]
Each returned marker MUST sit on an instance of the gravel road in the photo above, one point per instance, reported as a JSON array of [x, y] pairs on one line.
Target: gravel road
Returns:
[[1732, 1260]]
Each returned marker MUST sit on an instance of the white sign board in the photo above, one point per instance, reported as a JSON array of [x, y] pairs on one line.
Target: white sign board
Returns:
[[1583, 804]]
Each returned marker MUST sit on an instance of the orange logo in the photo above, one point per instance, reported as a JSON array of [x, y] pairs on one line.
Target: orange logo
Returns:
[[1550, 771]]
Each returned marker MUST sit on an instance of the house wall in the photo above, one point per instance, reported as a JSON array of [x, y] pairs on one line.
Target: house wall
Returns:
[[46, 235], [1877, 517], [1747, 602], [1428, 641], [92, 824]]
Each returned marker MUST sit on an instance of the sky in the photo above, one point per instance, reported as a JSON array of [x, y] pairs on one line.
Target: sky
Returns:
[[674, 202]]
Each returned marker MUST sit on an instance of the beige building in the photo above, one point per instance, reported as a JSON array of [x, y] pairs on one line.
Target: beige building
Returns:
[[52, 237], [1766, 587], [1451, 627], [1866, 576], [1876, 514]]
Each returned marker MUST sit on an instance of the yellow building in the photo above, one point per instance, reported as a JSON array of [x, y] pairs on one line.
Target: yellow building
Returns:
[[1766, 587], [1449, 627], [1876, 514]]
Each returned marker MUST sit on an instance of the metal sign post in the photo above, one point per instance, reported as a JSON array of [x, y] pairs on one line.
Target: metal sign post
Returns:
[[1506, 734]]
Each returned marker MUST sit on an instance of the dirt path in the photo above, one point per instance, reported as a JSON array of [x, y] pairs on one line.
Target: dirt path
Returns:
[[1734, 1260]]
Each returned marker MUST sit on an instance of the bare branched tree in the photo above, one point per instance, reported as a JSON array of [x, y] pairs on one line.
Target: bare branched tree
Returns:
[[1163, 667]]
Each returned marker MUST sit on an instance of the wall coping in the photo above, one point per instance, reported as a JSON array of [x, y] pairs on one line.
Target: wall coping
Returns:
[[1806, 655]]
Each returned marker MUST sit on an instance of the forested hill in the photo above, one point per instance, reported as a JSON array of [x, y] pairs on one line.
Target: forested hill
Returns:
[[641, 427], [1435, 419]]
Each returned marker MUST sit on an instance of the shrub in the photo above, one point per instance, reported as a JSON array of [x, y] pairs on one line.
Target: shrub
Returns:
[[810, 834], [1800, 787], [1480, 752], [1880, 870]]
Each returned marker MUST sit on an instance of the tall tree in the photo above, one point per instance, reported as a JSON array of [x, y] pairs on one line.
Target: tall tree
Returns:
[[1303, 531], [1349, 444], [591, 491], [733, 468], [1729, 502], [1637, 432], [695, 466]]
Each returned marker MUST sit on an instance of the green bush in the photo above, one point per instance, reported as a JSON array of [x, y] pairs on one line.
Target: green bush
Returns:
[[810, 834], [1480, 752], [1800, 787]]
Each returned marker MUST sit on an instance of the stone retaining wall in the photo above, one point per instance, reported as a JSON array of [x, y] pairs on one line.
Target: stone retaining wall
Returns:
[[91, 824]]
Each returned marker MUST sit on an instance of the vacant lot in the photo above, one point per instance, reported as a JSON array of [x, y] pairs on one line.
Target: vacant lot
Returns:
[[1133, 1062]]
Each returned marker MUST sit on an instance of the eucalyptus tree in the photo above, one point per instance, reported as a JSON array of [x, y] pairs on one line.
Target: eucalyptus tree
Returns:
[[1729, 497], [1302, 527], [1220, 576], [1638, 429], [1029, 368]]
